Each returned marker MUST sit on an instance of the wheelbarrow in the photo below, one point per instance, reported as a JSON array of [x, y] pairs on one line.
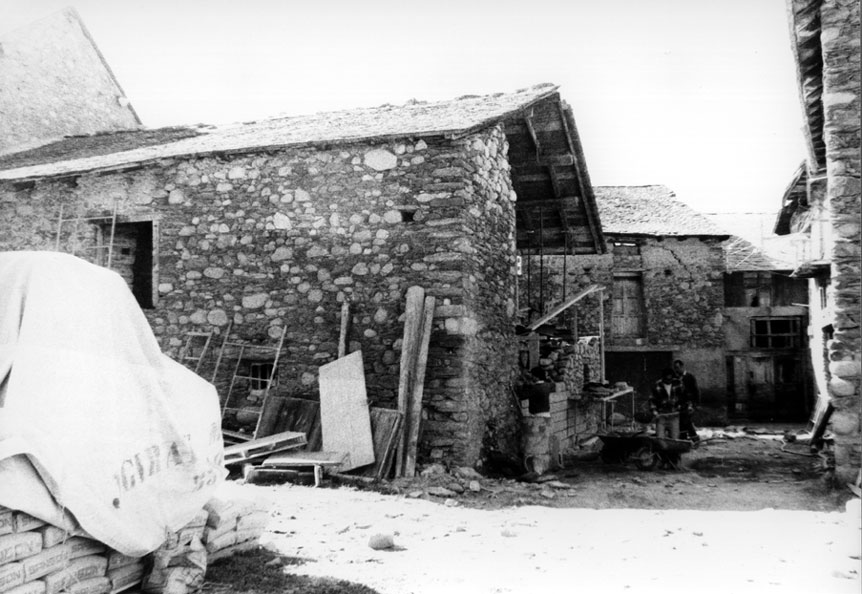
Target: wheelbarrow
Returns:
[[647, 450]]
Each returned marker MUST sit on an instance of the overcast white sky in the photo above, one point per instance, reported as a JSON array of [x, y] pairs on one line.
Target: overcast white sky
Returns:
[[698, 95]]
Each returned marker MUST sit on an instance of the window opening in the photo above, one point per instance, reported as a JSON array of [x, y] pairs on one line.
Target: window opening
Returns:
[[775, 333], [258, 375], [132, 257]]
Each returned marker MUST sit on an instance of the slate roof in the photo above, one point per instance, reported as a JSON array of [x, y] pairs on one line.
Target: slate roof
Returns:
[[740, 255], [650, 210], [414, 119], [54, 81]]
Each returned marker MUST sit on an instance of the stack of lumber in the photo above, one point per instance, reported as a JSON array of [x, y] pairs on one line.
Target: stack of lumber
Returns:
[[37, 558], [232, 526]]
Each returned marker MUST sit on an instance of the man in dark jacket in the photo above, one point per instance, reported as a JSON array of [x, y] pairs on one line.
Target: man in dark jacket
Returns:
[[664, 403], [689, 400]]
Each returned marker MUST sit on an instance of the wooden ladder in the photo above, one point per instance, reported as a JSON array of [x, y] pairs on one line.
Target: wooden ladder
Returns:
[[193, 352], [96, 249], [234, 394]]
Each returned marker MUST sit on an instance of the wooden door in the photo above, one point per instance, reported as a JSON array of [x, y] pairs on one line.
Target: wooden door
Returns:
[[761, 388], [627, 317]]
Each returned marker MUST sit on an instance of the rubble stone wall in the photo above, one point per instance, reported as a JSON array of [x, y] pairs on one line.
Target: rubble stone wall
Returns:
[[683, 294], [840, 23], [682, 285], [281, 239]]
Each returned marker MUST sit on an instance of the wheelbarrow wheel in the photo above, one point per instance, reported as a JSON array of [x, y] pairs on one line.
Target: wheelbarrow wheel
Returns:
[[645, 458]]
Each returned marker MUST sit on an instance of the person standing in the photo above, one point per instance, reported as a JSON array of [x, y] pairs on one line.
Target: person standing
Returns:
[[664, 404], [689, 400]]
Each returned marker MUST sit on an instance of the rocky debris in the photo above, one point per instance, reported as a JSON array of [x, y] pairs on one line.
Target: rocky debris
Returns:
[[380, 542], [466, 472], [455, 487], [433, 470], [441, 492]]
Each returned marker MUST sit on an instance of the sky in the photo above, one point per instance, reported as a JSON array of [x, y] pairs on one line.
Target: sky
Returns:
[[697, 95]]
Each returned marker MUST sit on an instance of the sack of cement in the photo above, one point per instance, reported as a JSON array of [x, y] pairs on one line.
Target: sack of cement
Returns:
[[179, 565], [77, 570], [234, 525], [123, 578], [150, 458], [41, 558]]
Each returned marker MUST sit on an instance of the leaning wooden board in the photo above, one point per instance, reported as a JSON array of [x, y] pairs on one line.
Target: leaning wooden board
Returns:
[[413, 315], [345, 422], [416, 390], [386, 425]]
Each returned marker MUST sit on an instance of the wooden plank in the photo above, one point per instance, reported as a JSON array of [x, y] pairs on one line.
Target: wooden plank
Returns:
[[304, 459], [413, 312], [345, 329], [344, 418], [563, 306], [414, 417], [278, 438], [299, 414], [386, 425], [269, 417], [572, 201]]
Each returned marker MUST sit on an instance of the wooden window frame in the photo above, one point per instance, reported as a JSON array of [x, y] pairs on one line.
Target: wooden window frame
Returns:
[[773, 339]]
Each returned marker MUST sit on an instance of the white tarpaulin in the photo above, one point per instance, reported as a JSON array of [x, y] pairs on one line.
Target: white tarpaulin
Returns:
[[96, 422]]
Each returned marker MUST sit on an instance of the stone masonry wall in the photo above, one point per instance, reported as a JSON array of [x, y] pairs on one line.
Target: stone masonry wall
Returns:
[[683, 300], [840, 40], [574, 415], [280, 239], [682, 284]]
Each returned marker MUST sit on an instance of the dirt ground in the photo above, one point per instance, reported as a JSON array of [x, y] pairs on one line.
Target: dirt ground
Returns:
[[743, 512]]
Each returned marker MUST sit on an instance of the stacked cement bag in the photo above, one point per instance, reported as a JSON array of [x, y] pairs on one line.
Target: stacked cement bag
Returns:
[[179, 565], [233, 525], [37, 558]]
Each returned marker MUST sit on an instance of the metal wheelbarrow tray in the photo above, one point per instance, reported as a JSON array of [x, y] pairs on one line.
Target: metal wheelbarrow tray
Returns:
[[646, 449]]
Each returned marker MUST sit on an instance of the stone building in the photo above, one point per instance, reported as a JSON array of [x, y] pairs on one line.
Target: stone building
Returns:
[[769, 374], [662, 296], [270, 226], [822, 205], [55, 82]]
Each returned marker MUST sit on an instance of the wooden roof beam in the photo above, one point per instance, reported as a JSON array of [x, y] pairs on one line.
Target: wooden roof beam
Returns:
[[565, 200], [528, 121], [542, 177]]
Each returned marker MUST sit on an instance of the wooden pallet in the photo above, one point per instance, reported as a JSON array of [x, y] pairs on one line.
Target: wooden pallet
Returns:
[[285, 463], [265, 446]]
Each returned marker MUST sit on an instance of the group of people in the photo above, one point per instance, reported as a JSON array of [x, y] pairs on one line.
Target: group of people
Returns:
[[677, 391]]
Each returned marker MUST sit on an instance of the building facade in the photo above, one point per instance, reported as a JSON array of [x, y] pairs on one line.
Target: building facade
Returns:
[[268, 228], [662, 297], [769, 375], [822, 205]]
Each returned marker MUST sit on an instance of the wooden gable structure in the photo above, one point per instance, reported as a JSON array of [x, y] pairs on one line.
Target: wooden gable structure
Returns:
[[556, 208]]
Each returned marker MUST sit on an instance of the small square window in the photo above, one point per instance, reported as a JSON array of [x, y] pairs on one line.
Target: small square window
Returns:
[[259, 374]]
